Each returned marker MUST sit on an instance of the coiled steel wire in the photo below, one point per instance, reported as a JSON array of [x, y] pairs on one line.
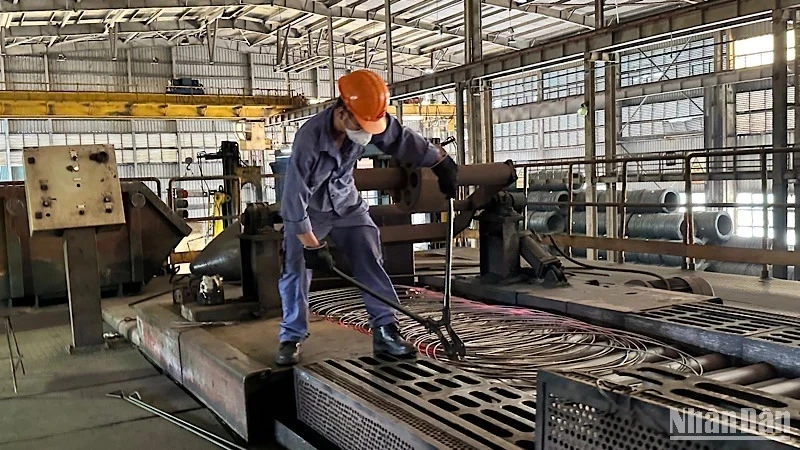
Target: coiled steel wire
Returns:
[[546, 222], [507, 343]]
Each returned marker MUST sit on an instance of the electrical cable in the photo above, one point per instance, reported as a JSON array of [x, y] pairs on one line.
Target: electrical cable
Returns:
[[607, 269]]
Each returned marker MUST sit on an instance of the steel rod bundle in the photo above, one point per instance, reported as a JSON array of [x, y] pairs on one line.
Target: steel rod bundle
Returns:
[[546, 222], [508, 343]]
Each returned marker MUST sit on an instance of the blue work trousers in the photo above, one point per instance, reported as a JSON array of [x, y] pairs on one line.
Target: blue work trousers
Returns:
[[361, 244]]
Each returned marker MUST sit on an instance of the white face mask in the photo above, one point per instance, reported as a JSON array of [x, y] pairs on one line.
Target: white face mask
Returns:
[[359, 137]]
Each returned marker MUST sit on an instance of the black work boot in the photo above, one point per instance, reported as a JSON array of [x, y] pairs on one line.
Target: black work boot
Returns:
[[387, 340], [288, 353]]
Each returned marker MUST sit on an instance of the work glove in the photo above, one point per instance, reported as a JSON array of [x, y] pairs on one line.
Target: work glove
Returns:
[[446, 171], [318, 258]]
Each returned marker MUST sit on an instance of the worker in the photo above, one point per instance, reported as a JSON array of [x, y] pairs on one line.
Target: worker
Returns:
[[320, 200]]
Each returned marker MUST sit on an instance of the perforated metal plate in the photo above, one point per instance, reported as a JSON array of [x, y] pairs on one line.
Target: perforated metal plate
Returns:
[[721, 318], [575, 412], [411, 403]]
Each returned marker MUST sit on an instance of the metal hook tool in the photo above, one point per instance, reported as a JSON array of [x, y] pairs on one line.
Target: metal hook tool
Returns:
[[454, 346]]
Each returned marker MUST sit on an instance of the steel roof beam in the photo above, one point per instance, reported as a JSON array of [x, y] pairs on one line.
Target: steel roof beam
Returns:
[[673, 24], [308, 6]]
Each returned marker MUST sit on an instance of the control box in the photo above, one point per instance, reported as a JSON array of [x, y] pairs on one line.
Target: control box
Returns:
[[72, 186]]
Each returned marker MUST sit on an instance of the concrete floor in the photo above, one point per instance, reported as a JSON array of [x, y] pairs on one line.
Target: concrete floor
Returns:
[[62, 400]]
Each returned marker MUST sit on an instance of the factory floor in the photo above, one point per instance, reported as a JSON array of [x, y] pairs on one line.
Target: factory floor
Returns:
[[62, 400]]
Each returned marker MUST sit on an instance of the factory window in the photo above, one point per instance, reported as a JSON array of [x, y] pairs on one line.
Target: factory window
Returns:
[[758, 51], [754, 112], [698, 200], [676, 61], [682, 116], [514, 92], [749, 220]]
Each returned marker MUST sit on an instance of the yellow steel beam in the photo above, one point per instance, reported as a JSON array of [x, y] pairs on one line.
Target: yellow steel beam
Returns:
[[411, 110], [142, 105]]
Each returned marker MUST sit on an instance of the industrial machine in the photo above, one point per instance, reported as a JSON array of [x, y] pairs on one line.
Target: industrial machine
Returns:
[[574, 359]]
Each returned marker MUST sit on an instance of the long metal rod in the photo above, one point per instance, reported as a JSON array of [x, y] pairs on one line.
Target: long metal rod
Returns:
[[380, 297], [136, 400], [448, 261]]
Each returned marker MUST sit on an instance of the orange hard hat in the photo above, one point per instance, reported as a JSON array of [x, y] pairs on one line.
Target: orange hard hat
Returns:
[[366, 96]]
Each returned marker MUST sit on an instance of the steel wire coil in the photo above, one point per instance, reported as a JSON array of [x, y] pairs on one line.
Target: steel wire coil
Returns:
[[507, 343], [546, 222]]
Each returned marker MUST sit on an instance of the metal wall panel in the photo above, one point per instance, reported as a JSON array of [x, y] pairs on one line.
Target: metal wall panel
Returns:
[[153, 126], [28, 126]]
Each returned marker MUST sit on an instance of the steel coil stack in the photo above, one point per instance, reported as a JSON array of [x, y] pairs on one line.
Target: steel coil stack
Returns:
[[656, 226], [715, 226], [579, 223], [538, 201], [655, 218], [667, 200], [737, 268], [658, 259], [546, 222]]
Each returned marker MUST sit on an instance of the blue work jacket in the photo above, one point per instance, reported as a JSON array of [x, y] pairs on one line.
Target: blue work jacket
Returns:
[[319, 185]]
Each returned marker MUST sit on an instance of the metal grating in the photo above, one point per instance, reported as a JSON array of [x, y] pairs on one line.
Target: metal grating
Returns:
[[572, 425], [786, 335], [720, 318], [449, 406], [580, 411]]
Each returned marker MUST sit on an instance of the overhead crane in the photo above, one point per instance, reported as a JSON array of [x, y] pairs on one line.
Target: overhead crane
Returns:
[[136, 105]]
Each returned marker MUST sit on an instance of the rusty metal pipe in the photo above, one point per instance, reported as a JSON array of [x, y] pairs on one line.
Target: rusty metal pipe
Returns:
[[494, 174], [393, 210], [707, 363], [744, 375], [386, 178], [789, 388]]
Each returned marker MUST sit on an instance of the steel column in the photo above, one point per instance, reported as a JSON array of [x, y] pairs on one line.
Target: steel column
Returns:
[[83, 287], [610, 112], [487, 131], [796, 156], [46, 62], [331, 68], [462, 151], [473, 51], [129, 70], [172, 59], [387, 6], [7, 149], [591, 152], [780, 185], [251, 76], [3, 75], [599, 14]]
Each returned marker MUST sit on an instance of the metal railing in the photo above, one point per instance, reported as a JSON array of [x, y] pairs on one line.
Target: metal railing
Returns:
[[686, 169]]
